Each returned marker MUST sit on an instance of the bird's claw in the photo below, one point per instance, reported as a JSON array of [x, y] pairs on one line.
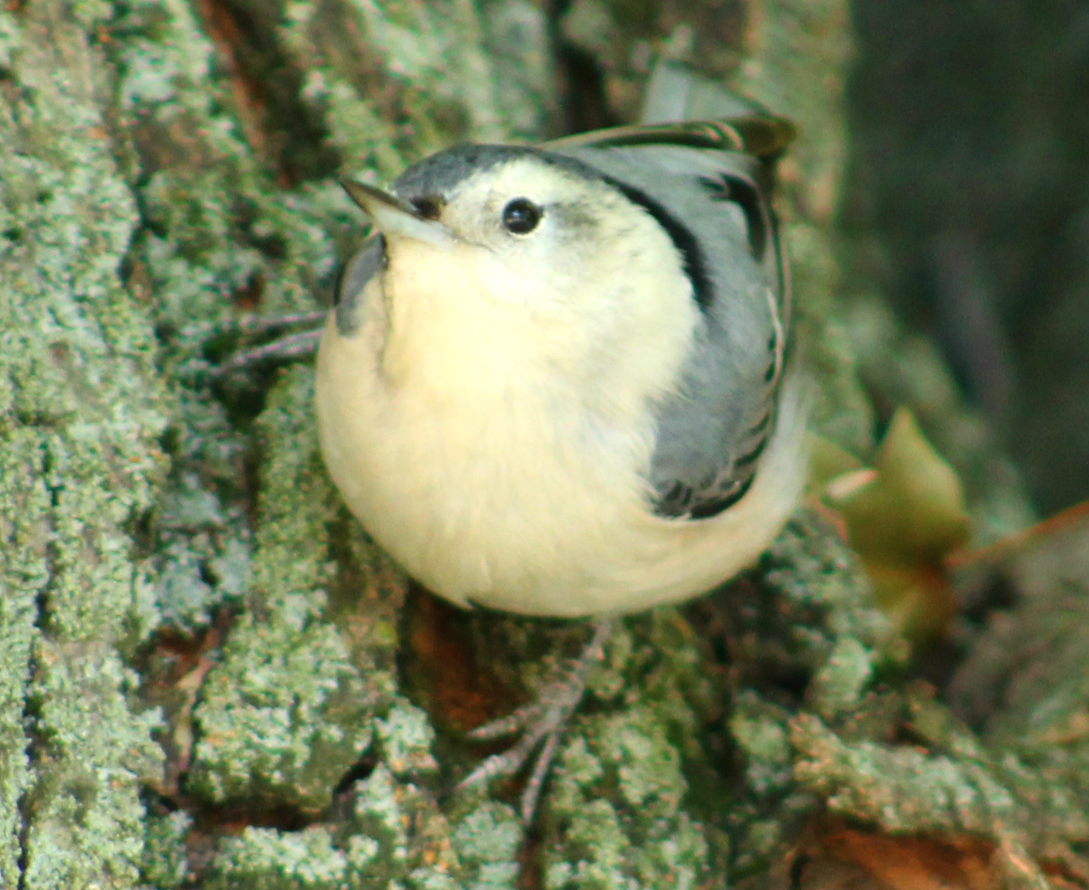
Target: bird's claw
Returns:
[[543, 721]]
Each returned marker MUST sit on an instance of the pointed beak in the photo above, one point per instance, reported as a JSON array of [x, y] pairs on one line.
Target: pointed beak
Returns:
[[395, 217]]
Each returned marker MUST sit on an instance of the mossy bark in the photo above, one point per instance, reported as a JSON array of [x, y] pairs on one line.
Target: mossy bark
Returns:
[[209, 677]]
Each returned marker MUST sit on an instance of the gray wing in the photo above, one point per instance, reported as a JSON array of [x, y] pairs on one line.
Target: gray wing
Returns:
[[353, 278], [716, 203]]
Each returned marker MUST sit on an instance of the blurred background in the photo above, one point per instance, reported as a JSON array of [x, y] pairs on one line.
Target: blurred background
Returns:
[[967, 205]]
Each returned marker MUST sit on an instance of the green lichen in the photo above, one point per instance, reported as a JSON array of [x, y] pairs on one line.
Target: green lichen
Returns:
[[1026, 682], [285, 716], [296, 499], [618, 807], [808, 637], [394, 836], [428, 81], [190, 170], [838, 686], [86, 819], [760, 731], [24, 572], [165, 863], [266, 859], [405, 738], [286, 713], [402, 823], [487, 841], [80, 414], [961, 789]]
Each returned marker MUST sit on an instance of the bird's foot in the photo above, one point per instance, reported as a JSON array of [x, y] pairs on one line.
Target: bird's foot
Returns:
[[539, 726], [285, 348]]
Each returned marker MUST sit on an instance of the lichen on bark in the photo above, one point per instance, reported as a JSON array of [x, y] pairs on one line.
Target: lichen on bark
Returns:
[[210, 676]]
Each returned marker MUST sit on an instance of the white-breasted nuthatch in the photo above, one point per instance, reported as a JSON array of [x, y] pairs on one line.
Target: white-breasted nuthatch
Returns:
[[554, 383]]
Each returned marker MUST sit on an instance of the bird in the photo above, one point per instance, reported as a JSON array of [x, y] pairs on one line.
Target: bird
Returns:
[[559, 379]]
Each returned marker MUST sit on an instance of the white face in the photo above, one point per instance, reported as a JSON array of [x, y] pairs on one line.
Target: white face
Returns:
[[534, 234], [528, 265]]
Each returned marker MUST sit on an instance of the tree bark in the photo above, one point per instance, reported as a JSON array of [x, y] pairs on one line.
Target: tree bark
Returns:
[[209, 676]]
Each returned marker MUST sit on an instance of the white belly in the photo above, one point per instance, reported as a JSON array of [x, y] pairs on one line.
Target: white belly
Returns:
[[473, 500]]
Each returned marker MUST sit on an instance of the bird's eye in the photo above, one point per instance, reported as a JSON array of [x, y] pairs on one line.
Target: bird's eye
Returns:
[[428, 206], [521, 216]]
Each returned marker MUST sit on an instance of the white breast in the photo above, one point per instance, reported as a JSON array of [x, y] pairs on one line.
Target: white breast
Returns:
[[483, 493], [494, 478]]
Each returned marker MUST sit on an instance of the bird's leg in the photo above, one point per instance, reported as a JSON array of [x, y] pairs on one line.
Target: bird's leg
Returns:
[[262, 324], [286, 348], [540, 724]]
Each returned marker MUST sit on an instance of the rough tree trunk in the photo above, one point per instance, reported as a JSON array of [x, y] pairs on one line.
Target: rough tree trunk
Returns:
[[208, 676]]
